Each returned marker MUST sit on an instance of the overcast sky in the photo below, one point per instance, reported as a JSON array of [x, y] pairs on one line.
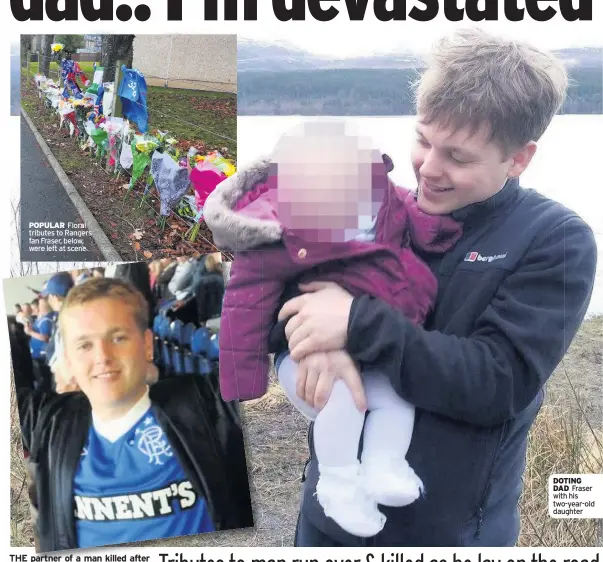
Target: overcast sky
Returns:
[[342, 38]]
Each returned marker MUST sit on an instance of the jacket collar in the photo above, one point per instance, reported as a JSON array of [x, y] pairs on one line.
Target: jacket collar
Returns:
[[495, 203]]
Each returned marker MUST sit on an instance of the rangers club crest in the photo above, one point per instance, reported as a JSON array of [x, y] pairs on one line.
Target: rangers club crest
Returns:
[[152, 442]]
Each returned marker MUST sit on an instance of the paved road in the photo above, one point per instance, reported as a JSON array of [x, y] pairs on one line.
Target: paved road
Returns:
[[15, 84], [43, 199]]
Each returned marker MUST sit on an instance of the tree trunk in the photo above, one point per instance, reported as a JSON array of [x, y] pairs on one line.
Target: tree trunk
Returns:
[[114, 48], [25, 47], [46, 54]]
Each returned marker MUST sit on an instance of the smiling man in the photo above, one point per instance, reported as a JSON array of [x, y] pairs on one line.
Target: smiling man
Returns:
[[511, 296], [119, 462]]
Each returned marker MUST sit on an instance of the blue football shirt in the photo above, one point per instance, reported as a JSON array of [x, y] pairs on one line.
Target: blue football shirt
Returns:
[[133, 488], [45, 326]]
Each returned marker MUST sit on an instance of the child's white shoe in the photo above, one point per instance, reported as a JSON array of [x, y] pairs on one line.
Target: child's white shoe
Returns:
[[341, 494], [391, 481]]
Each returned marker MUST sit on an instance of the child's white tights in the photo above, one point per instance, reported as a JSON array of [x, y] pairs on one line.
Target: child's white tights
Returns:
[[384, 476]]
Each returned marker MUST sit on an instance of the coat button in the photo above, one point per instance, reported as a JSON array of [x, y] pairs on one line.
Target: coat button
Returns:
[[302, 253]]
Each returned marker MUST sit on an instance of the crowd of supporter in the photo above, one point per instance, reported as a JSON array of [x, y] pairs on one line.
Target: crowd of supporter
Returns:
[[188, 289]]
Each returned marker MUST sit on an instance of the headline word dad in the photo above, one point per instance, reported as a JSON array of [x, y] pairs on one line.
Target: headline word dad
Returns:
[[321, 10]]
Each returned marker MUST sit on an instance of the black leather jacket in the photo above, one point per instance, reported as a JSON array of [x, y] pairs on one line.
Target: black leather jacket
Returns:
[[204, 432]]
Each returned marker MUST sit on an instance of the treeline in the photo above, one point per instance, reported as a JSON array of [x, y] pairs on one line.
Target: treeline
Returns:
[[371, 92]]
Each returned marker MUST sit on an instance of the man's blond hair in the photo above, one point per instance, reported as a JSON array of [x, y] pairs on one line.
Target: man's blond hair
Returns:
[[474, 78], [108, 288]]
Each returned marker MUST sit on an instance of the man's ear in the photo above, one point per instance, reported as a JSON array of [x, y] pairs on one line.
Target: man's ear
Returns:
[[521, 159], [389, 164]]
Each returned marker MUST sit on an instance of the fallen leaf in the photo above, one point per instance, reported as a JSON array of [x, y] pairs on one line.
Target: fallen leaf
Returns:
[[114, 236], [138, 234], [114, 224], [137, 246], [125, 186], [148, 254]]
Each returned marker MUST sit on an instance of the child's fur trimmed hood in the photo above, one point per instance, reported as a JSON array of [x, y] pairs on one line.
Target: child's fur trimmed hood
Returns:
[[234, 231]]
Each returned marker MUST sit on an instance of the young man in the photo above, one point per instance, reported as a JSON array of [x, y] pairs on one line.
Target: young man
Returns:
[[40, 333], [119, 462], [34, 307], [512, 294], [79, 276], [55, 291], [26, 314]]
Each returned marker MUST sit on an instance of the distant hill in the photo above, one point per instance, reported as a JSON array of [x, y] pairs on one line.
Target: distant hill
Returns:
[[271, 57], [278, 79], [582, 57], [258, 56]]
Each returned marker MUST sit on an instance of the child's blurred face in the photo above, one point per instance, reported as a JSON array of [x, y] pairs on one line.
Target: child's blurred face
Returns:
[[325, 182]]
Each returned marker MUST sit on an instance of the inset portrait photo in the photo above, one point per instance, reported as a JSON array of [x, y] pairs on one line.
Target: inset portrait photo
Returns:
[[124, 432]]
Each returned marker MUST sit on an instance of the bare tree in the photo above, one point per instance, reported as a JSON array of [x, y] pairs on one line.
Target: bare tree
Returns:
[[114, 48], [25, 46], [46, 54]]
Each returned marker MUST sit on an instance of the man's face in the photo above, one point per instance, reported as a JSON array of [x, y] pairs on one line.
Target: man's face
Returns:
[[43, 307], [455, 168], [26, 310], [107, 354], [54, 302]]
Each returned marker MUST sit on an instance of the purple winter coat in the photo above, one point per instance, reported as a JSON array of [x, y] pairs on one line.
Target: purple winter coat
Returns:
[[242, 215]]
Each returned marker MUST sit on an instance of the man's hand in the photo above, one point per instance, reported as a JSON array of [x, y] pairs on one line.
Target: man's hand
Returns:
[[318, 372], [64, 384], [27, 328], [312, 369], [319, 319]]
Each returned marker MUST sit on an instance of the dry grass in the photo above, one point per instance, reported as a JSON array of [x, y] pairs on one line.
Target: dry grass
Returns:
[[566, 438], [559, 443], [21, 532]]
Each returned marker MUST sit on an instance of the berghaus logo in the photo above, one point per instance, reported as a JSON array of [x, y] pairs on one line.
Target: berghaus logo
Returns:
[[476, 256]]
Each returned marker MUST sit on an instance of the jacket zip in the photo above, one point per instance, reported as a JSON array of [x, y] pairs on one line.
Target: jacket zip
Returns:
[[479, 513], [310, 444]]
